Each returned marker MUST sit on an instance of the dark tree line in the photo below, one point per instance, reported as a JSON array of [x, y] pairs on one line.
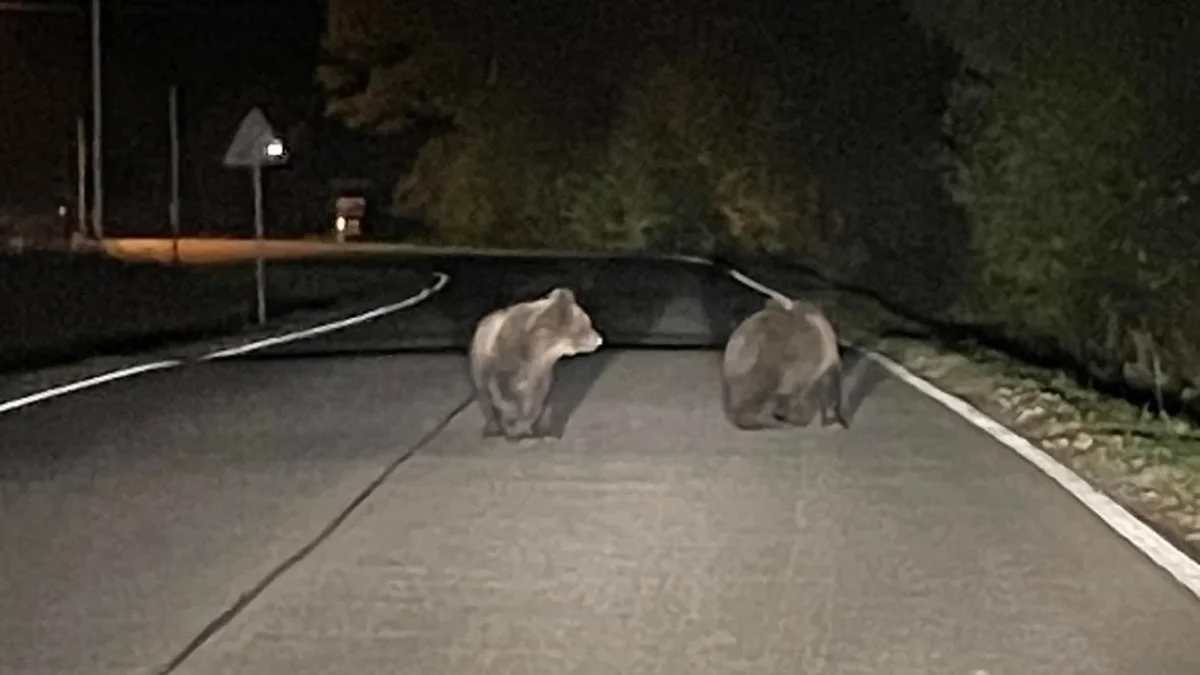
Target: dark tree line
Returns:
[[1020, 165], [590, 124]]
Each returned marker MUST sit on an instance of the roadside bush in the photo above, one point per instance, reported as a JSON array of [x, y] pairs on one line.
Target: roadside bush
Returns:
[[493, 181], [691, 157], [1154, 330], [1064, 207], [689, 163], [620, 205], [697, 162], [452, 189]]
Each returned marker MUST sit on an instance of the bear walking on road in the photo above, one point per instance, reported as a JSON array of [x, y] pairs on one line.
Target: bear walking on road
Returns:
[[781, 365], [512, 356]]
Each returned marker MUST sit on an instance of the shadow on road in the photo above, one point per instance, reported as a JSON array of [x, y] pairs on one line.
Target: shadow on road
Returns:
[[636, 304], [633, 304], [573, 379], [626, 302], [860, 377], [728, 303]]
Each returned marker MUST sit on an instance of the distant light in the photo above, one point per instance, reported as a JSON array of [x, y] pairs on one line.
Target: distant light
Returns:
[[340, 223], [62, 210], [275, 148]]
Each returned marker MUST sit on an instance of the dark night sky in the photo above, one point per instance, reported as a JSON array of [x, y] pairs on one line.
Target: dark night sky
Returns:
[[219, 52]]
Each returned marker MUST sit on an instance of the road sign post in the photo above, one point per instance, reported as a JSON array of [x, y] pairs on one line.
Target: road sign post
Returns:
[[260, 272], [256, 146]]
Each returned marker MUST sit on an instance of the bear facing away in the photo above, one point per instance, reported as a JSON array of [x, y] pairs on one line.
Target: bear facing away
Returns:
[[781, 365], [512, 357]]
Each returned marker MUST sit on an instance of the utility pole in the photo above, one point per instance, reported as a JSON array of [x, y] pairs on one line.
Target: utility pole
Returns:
[[97, 154], [173, 112], [81, 176], [260, 270], [66, 7], [97, 157]]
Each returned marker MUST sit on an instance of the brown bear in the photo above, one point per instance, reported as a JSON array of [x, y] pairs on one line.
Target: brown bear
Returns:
[[780, 366], [512, 357]]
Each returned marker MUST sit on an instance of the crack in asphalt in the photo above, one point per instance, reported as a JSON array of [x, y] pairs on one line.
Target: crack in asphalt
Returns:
[[249, 596]]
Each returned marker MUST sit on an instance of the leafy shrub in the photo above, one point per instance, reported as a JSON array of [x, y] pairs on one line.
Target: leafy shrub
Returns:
[[1045, 181], [715, 152], [493, 181], [656, 149], [1051, 171], [621, 204]]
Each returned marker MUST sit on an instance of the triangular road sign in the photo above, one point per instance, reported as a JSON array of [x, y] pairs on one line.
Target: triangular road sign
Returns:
[[249, 145]]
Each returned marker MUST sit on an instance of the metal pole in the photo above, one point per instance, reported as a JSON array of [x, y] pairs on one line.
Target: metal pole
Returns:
[[81, 177], [259, 267], [173, 111], [97, 154]]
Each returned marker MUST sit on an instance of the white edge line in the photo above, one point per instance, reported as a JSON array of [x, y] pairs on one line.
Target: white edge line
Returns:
[[9, 406], [53, 392], [756, 286], [425, 293], [1153, 545], [689, 259]]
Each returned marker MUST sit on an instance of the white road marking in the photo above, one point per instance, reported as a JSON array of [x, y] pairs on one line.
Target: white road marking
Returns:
[[443, 279], [756, 286], [1160, 551], [8, 406], [122, 373]]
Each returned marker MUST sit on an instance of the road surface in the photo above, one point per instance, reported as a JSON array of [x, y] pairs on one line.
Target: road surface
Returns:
[[651, 538]]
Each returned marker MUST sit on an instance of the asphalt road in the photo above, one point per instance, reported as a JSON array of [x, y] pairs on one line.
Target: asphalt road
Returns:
[[651, 538]]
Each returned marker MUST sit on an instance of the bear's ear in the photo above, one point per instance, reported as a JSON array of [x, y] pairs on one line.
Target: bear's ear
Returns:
[[558, 311], [561, 295]]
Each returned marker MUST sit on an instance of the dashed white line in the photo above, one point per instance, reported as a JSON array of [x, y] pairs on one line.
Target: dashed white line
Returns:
[[122, 373], [1160, 551]]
